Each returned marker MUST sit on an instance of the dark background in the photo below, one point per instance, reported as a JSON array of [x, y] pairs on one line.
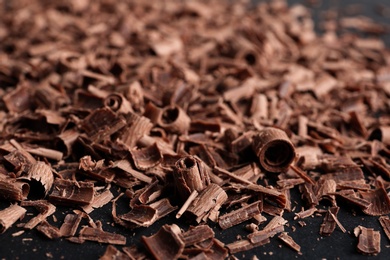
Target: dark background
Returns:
[[338, 246]]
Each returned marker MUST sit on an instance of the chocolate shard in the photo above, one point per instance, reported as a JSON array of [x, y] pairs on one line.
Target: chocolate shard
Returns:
[[112, 253], [20, 160], [99, 200], [41, 173], [197, 235], [378, 199], [174, 119], [190, 174], [385, 223], [98, 235], [275, 226], [208, 201], [45, 208], [13, 190], [166, 243], [274, 149], [101, 124], [127, 168], [70, 225], [70, 193], [329, 224], [146, 158], [238, 216], [48, 230], [217, 250], [288, 240], [245, 245], [146, 215], [9, 216], [118, 103], [369, 240]]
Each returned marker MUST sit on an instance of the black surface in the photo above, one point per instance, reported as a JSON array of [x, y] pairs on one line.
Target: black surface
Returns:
[[338, 246]]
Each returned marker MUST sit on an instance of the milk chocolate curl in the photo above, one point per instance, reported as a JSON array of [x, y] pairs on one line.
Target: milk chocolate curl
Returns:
[[9, 216], [175, 120], [118, 103], [382, 134], [274, 149], [13, 190], [41, 172], [190, 174]]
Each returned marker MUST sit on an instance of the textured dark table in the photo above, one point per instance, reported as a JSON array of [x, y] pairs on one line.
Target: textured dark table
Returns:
[[33, 245]]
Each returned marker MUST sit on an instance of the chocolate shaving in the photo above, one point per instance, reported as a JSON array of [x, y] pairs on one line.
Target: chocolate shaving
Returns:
[[275, 226], [98, 235], [369, 240], [329, 223], [42, 173], [385, 223], [166, 243], [112, 253], [190, 174], [238, 216], [274, 149], [197, 235], [67, 192], [209, 200], [289, 241], [13, 190], [378, 199], [48, 230], [45, 208], [9, 216], [70, 225], [146, 158]]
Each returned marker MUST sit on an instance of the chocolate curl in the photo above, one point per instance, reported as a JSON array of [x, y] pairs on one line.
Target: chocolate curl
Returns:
[[382, 134], [41, 173], [11, 189], [274, 149], [190, 174], [174, 119], [9, 216], [118, 103]]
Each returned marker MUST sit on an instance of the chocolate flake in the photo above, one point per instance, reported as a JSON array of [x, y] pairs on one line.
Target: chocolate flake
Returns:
[[70, 225], [385, 223], [288, 240], [166, 243], [67, 192], [9, 216], [45, 208], [274, 149], [369, 240], [98, 235], [238, 216]]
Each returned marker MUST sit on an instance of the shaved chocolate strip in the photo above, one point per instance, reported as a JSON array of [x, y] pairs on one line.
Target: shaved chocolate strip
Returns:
[[369, 240], [385, 223], [70, 193], [70, 225], [302, 174], [48, 230], [112, 253], [380, 201], [42, 173], [99, 200], [197, 234], [382, 134], [166, 243], [118, 103], [276, 225], [174, 119], [238, 216], [45, 152], [9, 216], [126, 166], [211, 198], [13, 190], [190, 174], [98, 235], [329, 223], [274, 149], [288, 240], [45, 208], [146, 158], [245, 245]]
